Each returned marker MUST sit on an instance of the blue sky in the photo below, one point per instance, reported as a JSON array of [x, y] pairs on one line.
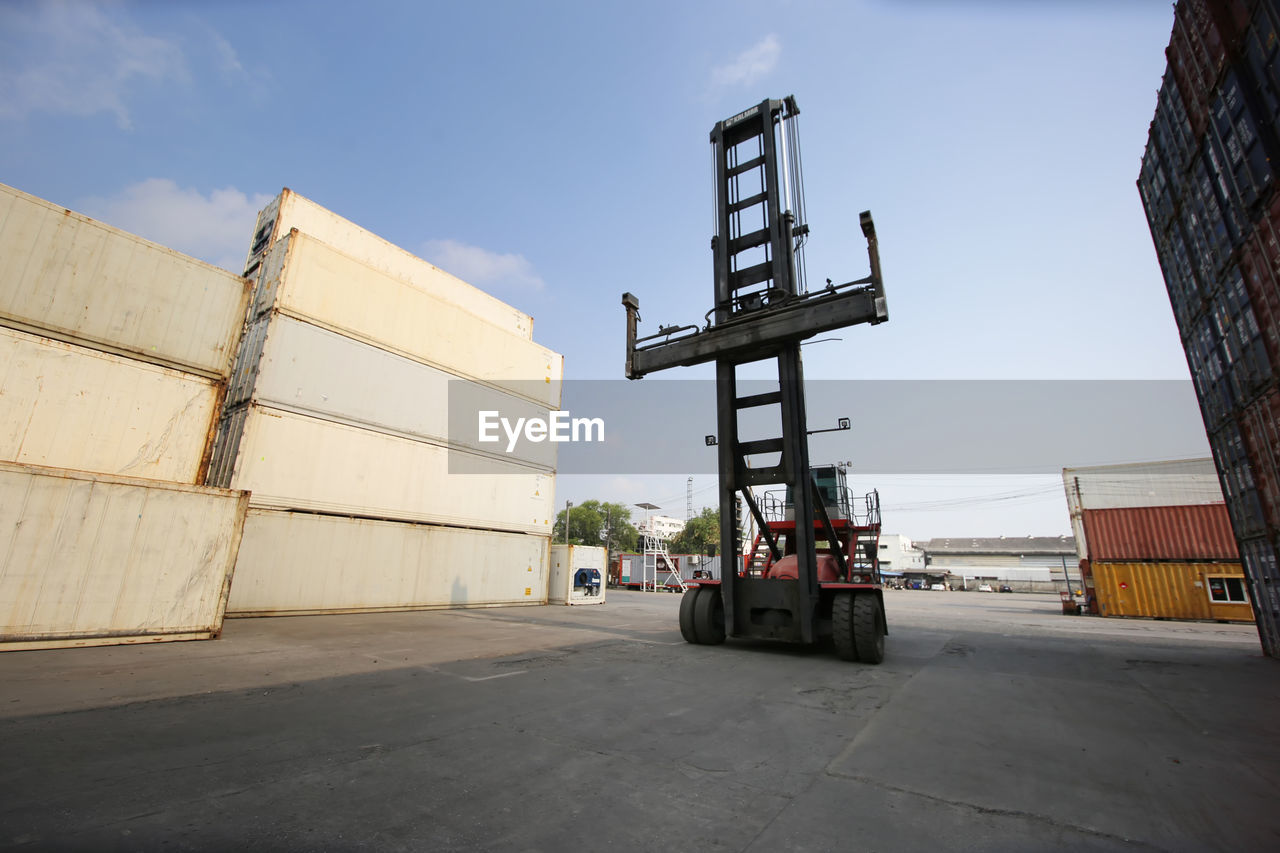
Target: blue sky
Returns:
[[556, 155]]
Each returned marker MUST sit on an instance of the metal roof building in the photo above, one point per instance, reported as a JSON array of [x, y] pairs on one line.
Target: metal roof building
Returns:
[[1026, 563]]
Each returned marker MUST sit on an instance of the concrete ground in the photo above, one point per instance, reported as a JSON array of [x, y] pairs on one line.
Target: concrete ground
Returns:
[[995, 723]]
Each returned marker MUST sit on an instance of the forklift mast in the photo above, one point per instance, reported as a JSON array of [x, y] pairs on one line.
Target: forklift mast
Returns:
[[762, 311]]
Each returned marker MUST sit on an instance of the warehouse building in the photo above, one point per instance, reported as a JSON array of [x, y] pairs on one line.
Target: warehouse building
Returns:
[[899, 556], [661, 526], [1207, 184], [1025, 564], [1155, 540]]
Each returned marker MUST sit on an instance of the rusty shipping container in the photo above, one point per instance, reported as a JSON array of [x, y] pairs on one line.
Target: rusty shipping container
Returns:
[[90, 560], [67, 406], [1160, 533], [66, 276], [1170, 590]]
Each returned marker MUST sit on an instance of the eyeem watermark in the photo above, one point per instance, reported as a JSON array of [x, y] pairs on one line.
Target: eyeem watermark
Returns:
[[559, 427]]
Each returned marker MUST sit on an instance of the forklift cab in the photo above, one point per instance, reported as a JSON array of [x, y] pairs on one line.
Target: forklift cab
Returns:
[[830, 481]]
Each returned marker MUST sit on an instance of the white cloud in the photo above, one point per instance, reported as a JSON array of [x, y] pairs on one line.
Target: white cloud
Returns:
[[70, 58], [750, 65], [216, 228], [483, 268]]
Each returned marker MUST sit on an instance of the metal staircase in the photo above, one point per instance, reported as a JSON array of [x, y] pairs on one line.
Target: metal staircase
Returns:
[[655, 557]]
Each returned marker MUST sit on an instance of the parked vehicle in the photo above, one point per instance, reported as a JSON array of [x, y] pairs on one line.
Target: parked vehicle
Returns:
[[1006, 588], [986, 587]]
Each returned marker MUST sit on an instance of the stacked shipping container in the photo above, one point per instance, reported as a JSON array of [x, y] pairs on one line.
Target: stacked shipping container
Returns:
[[114, 360], [1208, 186], [337, 421], [1155, 540]]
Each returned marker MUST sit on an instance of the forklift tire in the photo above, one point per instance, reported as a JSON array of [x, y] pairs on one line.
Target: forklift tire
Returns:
[[686, 614], [868, 627], [708, 617], [842, 626]]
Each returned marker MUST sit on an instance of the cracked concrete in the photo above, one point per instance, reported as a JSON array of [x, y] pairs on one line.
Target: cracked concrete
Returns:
[[995, 723]]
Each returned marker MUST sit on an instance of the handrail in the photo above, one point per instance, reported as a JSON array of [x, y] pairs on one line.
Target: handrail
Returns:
[[861, 512]]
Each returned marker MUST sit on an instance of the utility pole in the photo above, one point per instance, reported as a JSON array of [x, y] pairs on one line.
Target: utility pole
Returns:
[[568, 505], [688, 502]]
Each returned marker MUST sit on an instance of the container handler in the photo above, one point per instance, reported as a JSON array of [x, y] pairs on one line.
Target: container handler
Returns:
[[813, 577]]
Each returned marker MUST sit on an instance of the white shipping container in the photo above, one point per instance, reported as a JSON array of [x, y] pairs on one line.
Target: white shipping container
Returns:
[[88, 559], [577, 575], [304, 368], [67, 406], [312, 281], [71, 277], [293, 461], [297, 563], [1183, 482], [290, 211]]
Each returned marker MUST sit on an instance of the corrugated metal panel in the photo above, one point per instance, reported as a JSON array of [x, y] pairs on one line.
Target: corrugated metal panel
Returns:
[[1201, 532], [74, 278], [1263, 571], [1178, 483], [566, 560], [292, 461], [290, 211], [1169, 590], [245, 373], [323, 286], [226, 447], [91, 560], [311, 370], [67, 406], [303, 563]]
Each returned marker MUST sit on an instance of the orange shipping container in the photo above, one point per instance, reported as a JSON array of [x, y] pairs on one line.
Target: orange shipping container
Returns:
[[1172, 590], [1194, 532]]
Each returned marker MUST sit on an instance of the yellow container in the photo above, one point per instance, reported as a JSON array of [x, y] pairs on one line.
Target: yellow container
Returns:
[[1172, 590]]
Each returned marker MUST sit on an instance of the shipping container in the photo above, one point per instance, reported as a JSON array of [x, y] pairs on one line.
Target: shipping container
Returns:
[[311, 281], [67, 406], [290, 211], [1177, 533], [89, 559], [1171, 590], [1223, 59], [293, 461], [1259, 425], [1264, 584], [577, 575], [70, 277], [1236, 139], [1261, 50], [300, 563], [1240, 488], [296, 366], [1176, 483], [1263, 296]]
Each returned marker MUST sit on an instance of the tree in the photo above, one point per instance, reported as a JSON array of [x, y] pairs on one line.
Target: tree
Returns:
[[700, 533], [594, 522]]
